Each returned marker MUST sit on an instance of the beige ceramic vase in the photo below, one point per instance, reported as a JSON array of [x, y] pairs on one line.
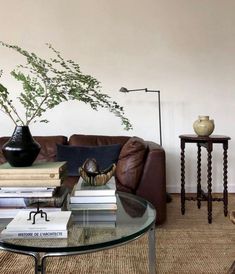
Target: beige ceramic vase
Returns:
[[203, 126]]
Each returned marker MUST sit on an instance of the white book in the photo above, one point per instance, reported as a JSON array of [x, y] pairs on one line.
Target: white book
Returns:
[[94, 217], [92, 199], [58, 220], [90, 206], [12, 202], [26, 193], [82, 188], [100, 212], [26, 188], [34, 234]]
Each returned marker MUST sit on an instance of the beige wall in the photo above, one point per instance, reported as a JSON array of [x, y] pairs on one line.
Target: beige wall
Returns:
[[185, 48]]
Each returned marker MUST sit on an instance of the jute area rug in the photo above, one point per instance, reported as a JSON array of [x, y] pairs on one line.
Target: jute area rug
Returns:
[[184, 244]]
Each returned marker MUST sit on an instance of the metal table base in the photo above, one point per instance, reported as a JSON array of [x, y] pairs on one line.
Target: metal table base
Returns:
[[40, 258]]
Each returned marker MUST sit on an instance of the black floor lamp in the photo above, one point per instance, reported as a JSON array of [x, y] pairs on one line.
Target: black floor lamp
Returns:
[[125, 90]]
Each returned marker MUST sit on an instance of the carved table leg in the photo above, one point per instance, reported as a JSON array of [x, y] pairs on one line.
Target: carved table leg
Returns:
[[199, 190], [209, 182], [225, 175], [182, 177]]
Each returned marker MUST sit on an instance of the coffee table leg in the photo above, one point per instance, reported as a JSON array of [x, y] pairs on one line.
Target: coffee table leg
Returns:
[[39, 267], [35, 255], [152, 250], [37, 263], [43, 264]]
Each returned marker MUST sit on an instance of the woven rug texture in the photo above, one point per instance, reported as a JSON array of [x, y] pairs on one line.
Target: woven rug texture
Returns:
[[184, 244]]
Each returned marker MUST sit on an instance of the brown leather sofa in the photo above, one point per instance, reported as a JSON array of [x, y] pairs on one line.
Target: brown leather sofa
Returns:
[[140, 167]]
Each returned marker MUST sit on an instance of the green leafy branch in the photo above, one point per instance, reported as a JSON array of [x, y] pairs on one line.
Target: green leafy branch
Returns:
[[46, 84]]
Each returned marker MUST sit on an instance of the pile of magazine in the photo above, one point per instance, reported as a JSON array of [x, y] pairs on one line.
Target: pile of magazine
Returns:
[[29, 187], [94, 206]]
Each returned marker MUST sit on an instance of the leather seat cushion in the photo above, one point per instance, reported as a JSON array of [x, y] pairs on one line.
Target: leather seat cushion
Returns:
[[131, 163]]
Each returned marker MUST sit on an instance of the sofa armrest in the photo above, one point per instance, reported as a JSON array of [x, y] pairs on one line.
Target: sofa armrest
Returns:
[[152, 185]]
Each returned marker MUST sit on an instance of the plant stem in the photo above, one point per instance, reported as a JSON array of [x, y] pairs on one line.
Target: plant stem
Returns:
[[40, 105]]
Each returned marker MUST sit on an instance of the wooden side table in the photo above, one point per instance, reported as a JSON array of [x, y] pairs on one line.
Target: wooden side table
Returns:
[[206, 142]]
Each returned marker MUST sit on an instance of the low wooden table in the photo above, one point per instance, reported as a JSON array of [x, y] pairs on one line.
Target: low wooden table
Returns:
[[206, 142]]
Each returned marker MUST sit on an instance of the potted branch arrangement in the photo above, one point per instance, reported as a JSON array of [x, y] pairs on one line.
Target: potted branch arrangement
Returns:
[[46, 84]]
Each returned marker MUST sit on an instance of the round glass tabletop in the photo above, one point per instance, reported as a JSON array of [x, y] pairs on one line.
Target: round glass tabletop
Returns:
[[95, 230]]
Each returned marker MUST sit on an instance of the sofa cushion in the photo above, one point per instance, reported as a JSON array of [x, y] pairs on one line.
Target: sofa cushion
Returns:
[[77, 155], [131, 163], [96, 140]]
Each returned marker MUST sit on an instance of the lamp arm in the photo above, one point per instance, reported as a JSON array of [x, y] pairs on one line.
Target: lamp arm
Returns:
[[144, 89], [125, 90], [149, 90], [139, 89]]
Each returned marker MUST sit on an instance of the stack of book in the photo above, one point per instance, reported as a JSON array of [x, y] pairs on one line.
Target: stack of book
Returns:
[[94, 205], [21, 227], [25, 187]]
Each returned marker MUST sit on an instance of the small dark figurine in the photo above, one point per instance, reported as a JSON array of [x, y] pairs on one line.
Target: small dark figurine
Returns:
[[38, 211]]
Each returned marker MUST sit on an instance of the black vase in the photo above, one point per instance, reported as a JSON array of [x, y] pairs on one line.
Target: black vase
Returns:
[[21, 150]]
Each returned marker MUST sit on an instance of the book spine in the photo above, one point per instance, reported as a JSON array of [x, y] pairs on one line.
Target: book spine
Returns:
[[15, 189], [37, 168], [12, 202], [93, 199], [25, 194], [30, 176], [35, 234], [95, 218], [30, 183], [84, 193], [98, 206]]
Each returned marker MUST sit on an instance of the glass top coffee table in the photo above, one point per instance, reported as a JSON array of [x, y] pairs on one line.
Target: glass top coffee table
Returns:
[[134, 217]]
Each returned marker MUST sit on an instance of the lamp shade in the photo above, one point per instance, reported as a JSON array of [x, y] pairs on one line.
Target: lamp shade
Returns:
[[124, 90]]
